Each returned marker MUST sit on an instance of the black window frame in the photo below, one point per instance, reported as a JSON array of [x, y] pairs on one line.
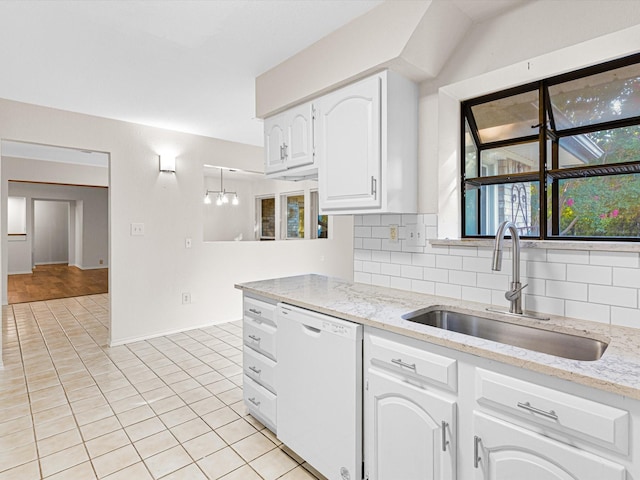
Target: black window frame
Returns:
[[546, 133]]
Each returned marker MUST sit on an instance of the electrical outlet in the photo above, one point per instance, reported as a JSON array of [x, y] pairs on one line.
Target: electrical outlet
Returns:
[[393, 233], [101, 261], [137, 229], [187, 243], [186, 298]]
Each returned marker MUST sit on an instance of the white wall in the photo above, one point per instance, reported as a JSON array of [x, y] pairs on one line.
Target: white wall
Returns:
[[50, 231], [149, 273]]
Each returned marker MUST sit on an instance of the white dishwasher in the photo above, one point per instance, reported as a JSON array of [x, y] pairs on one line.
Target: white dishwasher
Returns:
[[320, 390]]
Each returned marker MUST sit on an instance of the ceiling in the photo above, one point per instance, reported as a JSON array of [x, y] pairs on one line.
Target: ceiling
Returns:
[[184, 65]]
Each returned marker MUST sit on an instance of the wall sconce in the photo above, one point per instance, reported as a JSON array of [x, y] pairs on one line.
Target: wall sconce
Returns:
[[167, 163], [222, 196]]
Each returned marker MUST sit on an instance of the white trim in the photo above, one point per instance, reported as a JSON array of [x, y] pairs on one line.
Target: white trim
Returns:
[[25, 272], [64, 262], [142, 338], [591, 52], [98, 267]]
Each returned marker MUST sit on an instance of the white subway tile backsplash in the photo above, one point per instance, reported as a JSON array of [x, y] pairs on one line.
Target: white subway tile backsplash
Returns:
[[371, 267], [459, 277], [568, 256], [549, 271], [567, 290], [422, 286], [401, 258], [361, 277], [371, 219], [589, 274], [475, 294], [436, 274], [448, 290], [448, 261], [391, 269], [625, 317], [380, 280], [588, 311], [592, 285], [626, 277], [362, 232], [494, 281], [380, 256], [423, 259], [362, 254], [614, 259], [620, 296], [400, 283], [409, 271], [372, 243], [553, 306]]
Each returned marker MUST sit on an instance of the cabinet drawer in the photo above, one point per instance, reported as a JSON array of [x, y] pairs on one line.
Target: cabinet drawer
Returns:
[[406, 359], [260, 368], [259, 311], [260, 336], [569, 414], [260, 402]]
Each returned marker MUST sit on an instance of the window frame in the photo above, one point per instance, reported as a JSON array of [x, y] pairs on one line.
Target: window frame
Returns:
[[547, 136]]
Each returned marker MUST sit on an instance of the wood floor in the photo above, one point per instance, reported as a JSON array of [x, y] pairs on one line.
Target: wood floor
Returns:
[[48, 282]]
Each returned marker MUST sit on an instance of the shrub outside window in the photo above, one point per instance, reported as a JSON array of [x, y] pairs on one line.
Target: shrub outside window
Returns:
[[560, 158]]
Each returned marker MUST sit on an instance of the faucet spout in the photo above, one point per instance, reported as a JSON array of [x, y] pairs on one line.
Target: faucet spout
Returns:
[[514, 295]]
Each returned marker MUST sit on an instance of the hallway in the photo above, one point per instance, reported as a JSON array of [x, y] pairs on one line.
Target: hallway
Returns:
[[49, 282]]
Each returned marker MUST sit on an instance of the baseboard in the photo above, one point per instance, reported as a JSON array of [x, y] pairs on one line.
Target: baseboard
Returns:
[[51, 263], [92, 268], [142, 338], [29, 272]]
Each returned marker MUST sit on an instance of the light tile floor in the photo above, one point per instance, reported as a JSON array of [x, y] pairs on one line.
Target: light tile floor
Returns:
[[170, 407]]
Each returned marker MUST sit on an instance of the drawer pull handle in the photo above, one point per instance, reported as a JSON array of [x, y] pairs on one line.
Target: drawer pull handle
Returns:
[[254, 401], [254, 311], [255, 370], [445, 442], [550, 414], [399, 362], [254, 338], [476, 451]]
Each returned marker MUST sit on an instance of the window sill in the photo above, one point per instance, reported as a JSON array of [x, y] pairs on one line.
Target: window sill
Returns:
[[548, 244]]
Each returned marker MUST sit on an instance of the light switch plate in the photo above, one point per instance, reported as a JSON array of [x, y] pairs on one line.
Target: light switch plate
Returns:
[[416, 235]]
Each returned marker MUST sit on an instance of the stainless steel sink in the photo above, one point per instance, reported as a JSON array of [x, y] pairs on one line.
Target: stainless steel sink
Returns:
[[545, 341]]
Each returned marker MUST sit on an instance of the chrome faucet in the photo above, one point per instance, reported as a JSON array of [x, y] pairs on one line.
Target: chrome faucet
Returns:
[[514, 295]]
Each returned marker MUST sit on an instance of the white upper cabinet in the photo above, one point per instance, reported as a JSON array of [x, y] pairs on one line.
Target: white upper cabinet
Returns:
[[289, 143], [367, 146]]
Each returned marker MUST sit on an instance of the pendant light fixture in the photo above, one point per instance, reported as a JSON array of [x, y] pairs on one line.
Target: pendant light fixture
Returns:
[[222, 196]]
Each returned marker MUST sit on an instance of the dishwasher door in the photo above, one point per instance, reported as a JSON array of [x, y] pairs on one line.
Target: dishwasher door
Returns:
[[319, 406]]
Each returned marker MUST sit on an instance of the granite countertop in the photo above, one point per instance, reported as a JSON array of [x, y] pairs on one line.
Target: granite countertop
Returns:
[[617, 371]]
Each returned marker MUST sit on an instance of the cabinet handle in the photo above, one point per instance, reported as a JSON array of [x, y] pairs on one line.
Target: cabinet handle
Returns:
[[254, 311], [254, 338], [476, 451], [398, 361], [445, 442], [254, 401], [550, 414], [374, 186], [255, 370]]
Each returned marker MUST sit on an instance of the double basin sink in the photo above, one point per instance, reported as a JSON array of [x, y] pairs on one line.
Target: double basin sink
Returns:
[[560, 344]]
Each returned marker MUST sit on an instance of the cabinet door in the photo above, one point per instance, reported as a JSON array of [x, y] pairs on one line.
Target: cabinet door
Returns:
[[274, 140], [349, 148], [404, 431], [508, 452], [299, 149]]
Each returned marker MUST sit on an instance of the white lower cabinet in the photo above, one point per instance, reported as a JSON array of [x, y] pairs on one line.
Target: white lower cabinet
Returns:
[[409, 433], [410, 426], [503, 451]]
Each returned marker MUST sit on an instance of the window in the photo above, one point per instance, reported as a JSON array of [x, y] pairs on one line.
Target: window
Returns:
[[560, 158], [266, 213], [293, 226]]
